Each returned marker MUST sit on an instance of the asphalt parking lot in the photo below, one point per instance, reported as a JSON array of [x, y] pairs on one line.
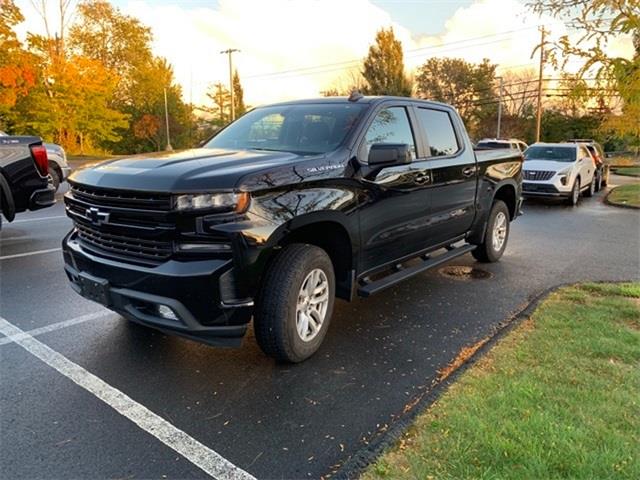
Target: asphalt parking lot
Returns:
[[238, 406]]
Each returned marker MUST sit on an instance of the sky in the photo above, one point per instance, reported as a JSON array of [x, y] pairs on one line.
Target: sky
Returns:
[[297, 48]]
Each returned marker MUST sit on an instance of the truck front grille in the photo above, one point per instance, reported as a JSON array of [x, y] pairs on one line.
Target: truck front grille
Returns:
[[122, 199], [538, 175], [153, 251]]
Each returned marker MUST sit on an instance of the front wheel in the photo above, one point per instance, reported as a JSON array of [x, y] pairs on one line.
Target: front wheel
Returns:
[[295, 303], [574, 196], [496, 235]]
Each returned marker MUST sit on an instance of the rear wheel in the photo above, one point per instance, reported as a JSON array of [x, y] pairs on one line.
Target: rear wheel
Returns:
[[592, 188], [295, 304], [496, 235]]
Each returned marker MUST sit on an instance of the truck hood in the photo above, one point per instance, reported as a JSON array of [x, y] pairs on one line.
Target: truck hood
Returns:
[[546, 165], [201, 169]]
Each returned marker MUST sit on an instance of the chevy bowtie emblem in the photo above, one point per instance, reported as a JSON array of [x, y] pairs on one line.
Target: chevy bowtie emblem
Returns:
[[97, 217]]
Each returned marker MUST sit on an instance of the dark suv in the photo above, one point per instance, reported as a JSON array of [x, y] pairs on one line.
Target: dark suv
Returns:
[[285, 209]]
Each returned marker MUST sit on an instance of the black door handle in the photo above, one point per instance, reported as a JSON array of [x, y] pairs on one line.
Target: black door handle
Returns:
[[468, 171]]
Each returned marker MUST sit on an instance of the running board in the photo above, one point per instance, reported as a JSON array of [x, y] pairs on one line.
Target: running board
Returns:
[[404, 273]]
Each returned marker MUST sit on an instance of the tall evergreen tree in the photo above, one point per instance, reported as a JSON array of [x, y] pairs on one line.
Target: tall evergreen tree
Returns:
[[238, 95], [384, 67]]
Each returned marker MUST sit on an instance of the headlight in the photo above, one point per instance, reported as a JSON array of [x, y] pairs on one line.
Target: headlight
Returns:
[[223, 202], [564, 175]]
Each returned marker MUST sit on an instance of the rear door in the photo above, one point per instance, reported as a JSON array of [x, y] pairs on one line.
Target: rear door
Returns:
[[454, 172], [395, 214], [586, 164]]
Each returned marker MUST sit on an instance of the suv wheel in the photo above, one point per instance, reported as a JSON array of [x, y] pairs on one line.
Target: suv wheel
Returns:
[[574, 196], [496, 236], [295, 304], [592, 188]]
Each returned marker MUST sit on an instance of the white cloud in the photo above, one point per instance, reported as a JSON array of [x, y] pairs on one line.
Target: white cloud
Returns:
[[283, 35]]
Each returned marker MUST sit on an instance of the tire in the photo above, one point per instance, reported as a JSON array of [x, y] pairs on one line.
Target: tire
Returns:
[[590, 192], [574, 196], [490, 251], [55, 177], [279, 316]]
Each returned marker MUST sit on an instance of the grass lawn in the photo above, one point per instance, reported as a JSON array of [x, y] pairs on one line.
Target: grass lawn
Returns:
[[558, 397], [87, 158], [628, 171], [626, 195]]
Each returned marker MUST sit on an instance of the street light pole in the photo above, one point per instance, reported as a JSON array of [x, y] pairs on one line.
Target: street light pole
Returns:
[[166, 120], [499, 106], [230, 52]]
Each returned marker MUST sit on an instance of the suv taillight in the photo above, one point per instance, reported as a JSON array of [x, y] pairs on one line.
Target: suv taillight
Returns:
[[39, 153]]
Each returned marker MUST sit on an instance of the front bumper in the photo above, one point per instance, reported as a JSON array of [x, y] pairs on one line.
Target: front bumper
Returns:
[[65, 171], [540, 189], [191, 290]]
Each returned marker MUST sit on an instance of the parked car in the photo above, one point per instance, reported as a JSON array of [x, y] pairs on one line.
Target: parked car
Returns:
[[561, 170], [58, 167], [602, 165], [24, 180], [285, 209], [513, 143]]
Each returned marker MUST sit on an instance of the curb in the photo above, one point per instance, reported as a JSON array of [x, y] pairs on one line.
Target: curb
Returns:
[[356, 464], [619, 205]]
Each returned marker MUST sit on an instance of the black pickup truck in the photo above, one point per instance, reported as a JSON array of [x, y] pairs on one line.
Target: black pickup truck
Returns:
[[283, 210], [25, 183]]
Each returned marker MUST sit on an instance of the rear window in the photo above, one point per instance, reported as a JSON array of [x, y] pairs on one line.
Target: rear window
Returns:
[[557, 154], [495, 145], [439, 131]]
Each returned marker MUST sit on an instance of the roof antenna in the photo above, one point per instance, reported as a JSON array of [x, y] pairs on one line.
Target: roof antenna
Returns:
[[355, 95]]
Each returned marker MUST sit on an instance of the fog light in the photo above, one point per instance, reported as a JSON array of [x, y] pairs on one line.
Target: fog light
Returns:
[[563, 180], [167, 312]]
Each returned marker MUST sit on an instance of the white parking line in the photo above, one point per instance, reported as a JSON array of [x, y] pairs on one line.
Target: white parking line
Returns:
[[197, 453], [27, 254], [38, 219], [59, 325]]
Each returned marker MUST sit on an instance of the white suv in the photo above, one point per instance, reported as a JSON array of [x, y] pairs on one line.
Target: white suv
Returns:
[[558, 170]]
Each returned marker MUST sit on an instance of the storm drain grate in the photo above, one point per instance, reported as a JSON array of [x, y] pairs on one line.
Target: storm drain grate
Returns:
[[460, 272]]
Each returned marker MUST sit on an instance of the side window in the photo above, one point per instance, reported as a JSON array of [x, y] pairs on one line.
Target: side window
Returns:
[[391, 125], [439, 132]]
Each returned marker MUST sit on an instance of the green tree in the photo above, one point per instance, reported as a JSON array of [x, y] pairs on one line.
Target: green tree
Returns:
[[383, 68], [467, 86], [598, 22], [238, 96], [221, 109]]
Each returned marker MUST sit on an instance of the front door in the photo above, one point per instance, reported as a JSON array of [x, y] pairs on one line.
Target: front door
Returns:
[[394, 217]]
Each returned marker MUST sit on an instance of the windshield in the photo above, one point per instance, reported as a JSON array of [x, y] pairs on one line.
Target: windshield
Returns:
[[555, 154], [304, 129]]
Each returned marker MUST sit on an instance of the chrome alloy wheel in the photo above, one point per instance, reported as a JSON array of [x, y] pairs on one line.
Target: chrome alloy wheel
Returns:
[[575, 193], [313, 301], [499, 231]]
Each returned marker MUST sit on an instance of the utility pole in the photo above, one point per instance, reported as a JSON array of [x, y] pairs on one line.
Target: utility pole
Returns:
[[539, 114], [166, 120], [230, 52], [499, 106]]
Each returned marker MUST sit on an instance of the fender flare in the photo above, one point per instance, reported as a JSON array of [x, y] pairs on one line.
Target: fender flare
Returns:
[[7, 204]]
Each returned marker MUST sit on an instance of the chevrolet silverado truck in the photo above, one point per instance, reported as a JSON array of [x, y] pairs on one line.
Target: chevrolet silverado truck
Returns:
[[25, 183], [282, 211]]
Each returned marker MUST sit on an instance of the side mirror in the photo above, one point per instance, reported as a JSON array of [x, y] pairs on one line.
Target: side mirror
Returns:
[[389, 154]]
